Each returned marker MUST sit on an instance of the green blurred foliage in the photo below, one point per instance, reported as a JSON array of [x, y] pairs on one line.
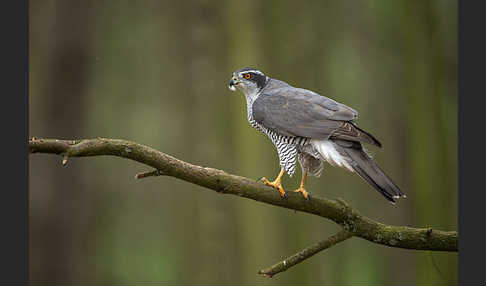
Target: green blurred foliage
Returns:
[[156, 72]]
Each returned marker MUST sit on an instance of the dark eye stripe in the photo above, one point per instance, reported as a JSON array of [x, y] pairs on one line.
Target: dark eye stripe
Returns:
[[259, 79]]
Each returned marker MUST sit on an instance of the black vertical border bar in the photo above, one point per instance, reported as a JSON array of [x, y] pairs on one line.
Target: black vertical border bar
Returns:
[[471, 113], [14, 23]]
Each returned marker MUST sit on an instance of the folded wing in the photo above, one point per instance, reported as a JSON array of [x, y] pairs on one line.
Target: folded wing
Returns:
[[299, 112]]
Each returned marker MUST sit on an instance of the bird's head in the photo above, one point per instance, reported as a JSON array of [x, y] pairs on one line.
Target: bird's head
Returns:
[[249, 80]]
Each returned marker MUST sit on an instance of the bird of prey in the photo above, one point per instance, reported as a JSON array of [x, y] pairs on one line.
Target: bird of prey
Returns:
[[310, 128]]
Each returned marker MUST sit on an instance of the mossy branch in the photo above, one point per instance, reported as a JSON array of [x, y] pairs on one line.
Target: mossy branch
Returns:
[[352, 222]]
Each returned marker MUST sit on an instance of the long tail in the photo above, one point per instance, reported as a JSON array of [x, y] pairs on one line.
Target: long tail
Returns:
[[352, 156]]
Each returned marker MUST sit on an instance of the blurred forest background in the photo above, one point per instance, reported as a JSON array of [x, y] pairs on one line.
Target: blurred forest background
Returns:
[[156, 72]]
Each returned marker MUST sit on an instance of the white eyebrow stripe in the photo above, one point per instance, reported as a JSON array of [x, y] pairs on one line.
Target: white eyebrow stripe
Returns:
[[253, 71]]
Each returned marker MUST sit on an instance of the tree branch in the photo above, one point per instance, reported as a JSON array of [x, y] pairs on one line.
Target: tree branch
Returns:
[[336, 210], [305, 253]]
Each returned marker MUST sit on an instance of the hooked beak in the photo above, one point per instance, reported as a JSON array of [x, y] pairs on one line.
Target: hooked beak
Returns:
[[233, 82]]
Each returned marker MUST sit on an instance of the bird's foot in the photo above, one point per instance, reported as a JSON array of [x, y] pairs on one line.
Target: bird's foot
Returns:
[[275, 184], [303, 192]]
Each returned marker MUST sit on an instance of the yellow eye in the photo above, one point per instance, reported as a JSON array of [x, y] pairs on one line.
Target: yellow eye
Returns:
[[247, 76]]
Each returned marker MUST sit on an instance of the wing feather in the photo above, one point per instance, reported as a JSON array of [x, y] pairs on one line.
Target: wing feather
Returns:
[[299, 112]]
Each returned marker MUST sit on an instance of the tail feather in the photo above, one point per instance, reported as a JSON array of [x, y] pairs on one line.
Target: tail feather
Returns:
[[367, 169], [367, 137]]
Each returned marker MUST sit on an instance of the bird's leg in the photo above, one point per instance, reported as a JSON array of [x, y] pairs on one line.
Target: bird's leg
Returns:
[[277, 184], [301, 189]]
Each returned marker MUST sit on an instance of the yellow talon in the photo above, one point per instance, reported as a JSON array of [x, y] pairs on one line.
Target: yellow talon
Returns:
[[277, 184], [301, 189], [303, 192]]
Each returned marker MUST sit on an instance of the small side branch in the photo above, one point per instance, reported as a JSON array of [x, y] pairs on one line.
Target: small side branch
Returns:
[[305, 253], [153, 173]]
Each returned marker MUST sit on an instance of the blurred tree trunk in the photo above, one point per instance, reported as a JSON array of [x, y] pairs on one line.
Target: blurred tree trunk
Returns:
[[433, 179], [63, 91], [250, 158]]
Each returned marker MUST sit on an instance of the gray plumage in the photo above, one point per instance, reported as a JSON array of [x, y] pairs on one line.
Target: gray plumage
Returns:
[[366, 167], [309, 127]]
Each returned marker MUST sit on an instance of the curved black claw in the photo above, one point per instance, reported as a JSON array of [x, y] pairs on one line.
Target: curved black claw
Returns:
[[308, 198]]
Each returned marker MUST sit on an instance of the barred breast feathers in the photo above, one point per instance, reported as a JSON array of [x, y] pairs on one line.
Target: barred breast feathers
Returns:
[[286, 145]]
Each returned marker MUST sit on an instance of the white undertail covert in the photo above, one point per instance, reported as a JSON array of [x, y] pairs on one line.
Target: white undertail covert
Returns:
[[328, 151]]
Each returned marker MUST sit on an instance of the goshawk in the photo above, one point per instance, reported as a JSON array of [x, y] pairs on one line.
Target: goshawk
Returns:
[[309, 127]]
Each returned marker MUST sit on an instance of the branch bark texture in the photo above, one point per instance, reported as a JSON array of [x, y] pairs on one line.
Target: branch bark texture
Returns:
[[217, 180]]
